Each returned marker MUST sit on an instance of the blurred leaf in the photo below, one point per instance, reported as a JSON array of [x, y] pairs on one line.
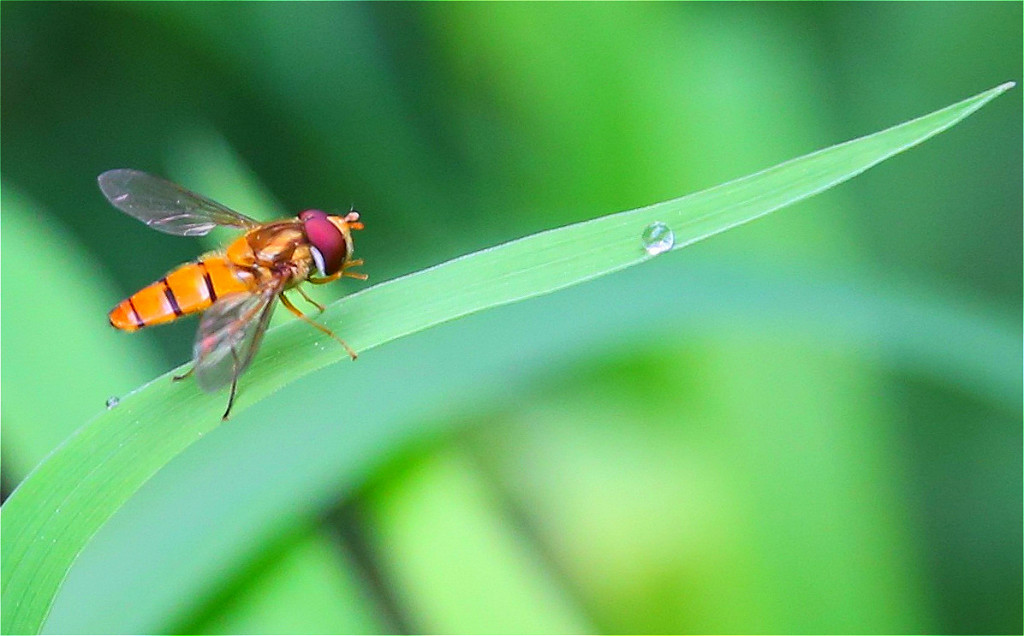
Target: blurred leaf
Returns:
[[305, 588], [63, 330], [676, 483], [203, 161], [54, 513], [439, 524]]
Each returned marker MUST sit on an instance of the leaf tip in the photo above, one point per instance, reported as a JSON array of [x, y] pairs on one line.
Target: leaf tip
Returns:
[[1002, 88]]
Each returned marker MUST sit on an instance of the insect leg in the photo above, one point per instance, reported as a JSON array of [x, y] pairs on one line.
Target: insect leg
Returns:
[[310, 300], [326, 279], [355, 263], [343, 272], [234, 386], [292, 308], [178, 378]]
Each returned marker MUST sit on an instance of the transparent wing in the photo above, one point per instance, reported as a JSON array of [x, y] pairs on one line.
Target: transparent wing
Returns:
[[229, 334], [167, 206]]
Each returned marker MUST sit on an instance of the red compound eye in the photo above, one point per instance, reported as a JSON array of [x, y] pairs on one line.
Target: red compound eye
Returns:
[[327, 243]]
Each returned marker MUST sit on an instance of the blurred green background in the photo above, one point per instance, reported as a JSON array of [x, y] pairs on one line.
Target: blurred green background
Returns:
[[808, 424]]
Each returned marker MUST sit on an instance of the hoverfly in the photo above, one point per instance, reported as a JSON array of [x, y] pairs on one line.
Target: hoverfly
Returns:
[[235, 289]]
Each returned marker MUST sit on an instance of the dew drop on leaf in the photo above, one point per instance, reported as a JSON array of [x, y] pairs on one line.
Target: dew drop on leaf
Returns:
[[657, 238]]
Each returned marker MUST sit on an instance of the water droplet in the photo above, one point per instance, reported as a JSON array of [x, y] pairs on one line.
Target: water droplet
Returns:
[[113, 402], [657, 238]]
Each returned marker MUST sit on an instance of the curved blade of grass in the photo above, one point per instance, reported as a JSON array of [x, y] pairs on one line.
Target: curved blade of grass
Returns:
[[54, 512], [127, 583]]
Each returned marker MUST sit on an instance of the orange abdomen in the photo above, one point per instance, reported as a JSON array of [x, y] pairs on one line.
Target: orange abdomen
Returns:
[[189, 289]]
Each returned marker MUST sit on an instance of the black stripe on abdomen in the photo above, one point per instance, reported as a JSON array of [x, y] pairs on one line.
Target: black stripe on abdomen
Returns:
[[209, 282], [171, 299], [135, 314]]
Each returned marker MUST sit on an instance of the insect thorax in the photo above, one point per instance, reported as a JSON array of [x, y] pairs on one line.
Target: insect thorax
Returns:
[[272, 250]]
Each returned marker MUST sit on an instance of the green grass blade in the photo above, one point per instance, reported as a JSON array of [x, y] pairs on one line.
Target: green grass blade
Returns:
[[126, 582], [50, 517]]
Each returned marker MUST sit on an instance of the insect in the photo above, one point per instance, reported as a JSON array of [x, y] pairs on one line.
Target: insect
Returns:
[[235, 289]]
